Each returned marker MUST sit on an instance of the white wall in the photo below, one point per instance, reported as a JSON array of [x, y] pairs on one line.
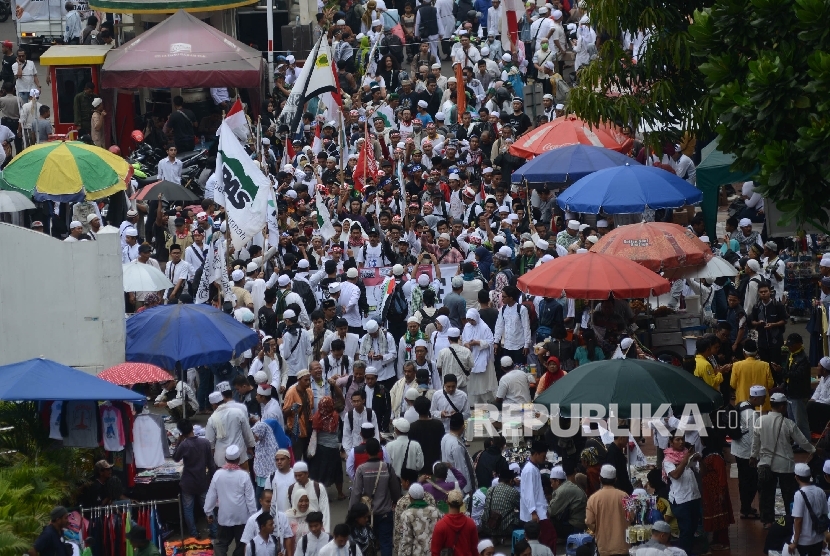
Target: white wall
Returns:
[[63, 301]]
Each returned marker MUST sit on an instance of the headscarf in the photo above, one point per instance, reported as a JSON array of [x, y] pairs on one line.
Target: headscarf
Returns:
[[326, 418], [673, 456], [732, 245], [266, 450], [439, 339], [294, 510], [589, 456], [481, 332], [485, 261], [371, 5]]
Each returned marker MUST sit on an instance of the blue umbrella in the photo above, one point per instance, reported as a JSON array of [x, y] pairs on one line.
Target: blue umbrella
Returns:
[[190, 335], [568, 164], [628, 189], [42, 380]]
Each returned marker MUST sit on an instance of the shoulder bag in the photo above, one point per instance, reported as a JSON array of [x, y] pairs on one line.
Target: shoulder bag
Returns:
[[369, 500], [765, 471]]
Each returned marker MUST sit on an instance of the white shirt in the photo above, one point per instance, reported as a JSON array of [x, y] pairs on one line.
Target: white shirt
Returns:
[[822, 393], [818, 503], [742, 447], [296, 358], [129, 253], [352, 423], [513, 327], [685, 168], [192, 258], [352, 342], [684, 488], [532, 495], [313, 544], [282, 528], [331, 548], [232, 423], [514, 387], [467, 59], [397, 449], [454, 452], [540, 29], [386, 366], [332, 366], [178, 271], [170, 171], [441, 402], [219, 95], [233, 492], [349, 296], [773, 266], [279, 485], [27, 80]]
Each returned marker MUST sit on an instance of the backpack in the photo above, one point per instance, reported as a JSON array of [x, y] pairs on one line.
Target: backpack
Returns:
[[351, 424], [302, 289], [511, 278], [426, 319], [252, 545], [531, 314], [345, 364], [743, 285], [304, 544], [397, 303], [280, 306], [291, 487], [547, 314]]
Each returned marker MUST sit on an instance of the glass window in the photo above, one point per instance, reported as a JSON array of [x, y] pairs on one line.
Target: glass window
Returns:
[[70, 82]]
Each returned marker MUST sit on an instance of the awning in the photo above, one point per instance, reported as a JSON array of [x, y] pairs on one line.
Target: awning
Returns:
[[182, 51], [715, 170], [165, 6], [75, 55]]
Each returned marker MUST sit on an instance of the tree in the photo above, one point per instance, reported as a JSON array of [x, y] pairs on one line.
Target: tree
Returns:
[[663, 88], [767, 67]]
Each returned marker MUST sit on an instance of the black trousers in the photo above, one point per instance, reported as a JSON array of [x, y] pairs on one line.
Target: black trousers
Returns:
[[747, 484], [766, 494], [224, 537], [818, 414]]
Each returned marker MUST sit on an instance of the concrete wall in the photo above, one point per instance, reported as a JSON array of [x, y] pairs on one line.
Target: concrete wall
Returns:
[[63, 301]]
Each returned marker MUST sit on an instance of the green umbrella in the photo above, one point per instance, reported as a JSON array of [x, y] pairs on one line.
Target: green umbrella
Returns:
[[628, 382], [715, 170]]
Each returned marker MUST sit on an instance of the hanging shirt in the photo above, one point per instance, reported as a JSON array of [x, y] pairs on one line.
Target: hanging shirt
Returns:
[[113, 428], [148, 448], [55, 421], [82, 424]]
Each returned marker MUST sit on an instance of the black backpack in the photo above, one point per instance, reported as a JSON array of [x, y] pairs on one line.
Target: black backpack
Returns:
[[397, 303], [368, 416], [303, 289], [304, 544], [426, 319], [743, 285]]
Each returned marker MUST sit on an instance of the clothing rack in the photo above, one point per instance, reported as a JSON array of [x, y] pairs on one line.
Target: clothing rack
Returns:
[[112, 508]]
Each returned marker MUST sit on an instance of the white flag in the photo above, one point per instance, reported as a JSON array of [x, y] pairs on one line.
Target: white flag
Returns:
[[244, 188], [324, 218]]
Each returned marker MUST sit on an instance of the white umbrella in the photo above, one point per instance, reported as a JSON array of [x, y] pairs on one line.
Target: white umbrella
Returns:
[[12, 201], [715, 268], [140, 277]]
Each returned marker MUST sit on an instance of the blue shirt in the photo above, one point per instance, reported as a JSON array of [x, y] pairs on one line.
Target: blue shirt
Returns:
[[482, 6], [425, 118]]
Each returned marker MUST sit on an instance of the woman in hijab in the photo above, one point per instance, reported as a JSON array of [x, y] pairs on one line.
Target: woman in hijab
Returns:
[[553, 372], [325, 466], [439, 339], [478, 338], [264, 454], [484, 258], [300, 508]]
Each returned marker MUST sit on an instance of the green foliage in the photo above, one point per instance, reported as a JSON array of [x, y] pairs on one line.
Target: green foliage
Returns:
[[664, 89], [767, 68]]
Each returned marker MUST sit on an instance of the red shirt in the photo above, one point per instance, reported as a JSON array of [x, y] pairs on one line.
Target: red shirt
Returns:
[[457, 531]]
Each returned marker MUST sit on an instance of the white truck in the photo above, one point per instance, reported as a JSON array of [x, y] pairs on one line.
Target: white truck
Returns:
[[41, 23]]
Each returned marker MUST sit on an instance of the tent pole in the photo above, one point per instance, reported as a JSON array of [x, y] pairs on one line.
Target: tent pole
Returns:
[[269, 19]]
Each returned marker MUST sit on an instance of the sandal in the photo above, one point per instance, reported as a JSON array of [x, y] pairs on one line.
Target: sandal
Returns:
[[750, 515]]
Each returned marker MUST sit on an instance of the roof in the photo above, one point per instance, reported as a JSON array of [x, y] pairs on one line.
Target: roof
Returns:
[[165, 6], [43, 379], [75, 55], [183, 51]]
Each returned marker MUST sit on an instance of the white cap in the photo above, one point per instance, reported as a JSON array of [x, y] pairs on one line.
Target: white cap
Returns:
[[803, 470], [661, 527], [825, 363], [823, 262], [422, 104], [826, 467], [560, 106], [436, 66], [34, 93], [302, 263], [454, 332], [602, 223], [547, 258], [543, 10], [584, 20], [252, 266], [290, 59], [215, 397], [758, 390], [371, 371], [232, 452], [514, 467], [457, 282], [505, 251], [506, 57], [473, 314], [334, 287], [704, 239], [75, 224], [549, 65], [753, 264], [283, 280], [96, 102], [376, 22], [397, 270], [261, 377], [592, 238], [584, 227], [237, 275], [573, 224], [421, 343], [558, 473], [291, 194], [423, 280], [778, 397], [744, 222], [130, 231], [485, 50], [608, 472], [300, 467], [504, 208], [351, 273], [454, 177], [445, 235], [506, 361], [401, 424], [542, 244], [488, 170], [411, 394], [484, 545], [626, 343], [367, 425], [266, 141], [528, 245], [557, 14], [289, 314], [371, 326], [439, 116], [263, 391], [302, 373], [416, 491]]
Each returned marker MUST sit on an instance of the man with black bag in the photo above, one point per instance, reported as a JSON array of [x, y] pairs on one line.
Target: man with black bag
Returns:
[[742, 447], [810, 520]]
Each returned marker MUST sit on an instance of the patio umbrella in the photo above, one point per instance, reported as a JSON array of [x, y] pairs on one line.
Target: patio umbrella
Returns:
[[628, 189], [12, 201], [171, 191], [561, 132], [134, 373], [715, 268], [64, 171], [657, 246], [628, 382], [140, 277], [568, 164], [189, 335], [43, 379], [592, 276]]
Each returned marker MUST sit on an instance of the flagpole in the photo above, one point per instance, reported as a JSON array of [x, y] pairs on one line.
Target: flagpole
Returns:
[[312, 57]]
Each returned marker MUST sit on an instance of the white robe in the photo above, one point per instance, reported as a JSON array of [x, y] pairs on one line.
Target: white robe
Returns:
[[482, 380]]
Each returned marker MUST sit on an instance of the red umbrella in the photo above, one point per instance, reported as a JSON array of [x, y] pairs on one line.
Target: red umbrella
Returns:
[[657, 246], [564, 131], [592, 276], [135, 373]]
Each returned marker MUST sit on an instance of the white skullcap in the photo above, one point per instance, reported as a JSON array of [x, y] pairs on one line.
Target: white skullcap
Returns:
[[422, 104], [584, 227], [445, 235], [528, 245], [584, 20], [367, 425], [302, 263], [704, 239], [573, 224], [371, 326], [302, 373], [495, 113], [608, 472], [558, 473], [454, 332], [542, 244], [421, 343], [488, 170], [592, 238], [215, 397], [454, 177], [371, 371], [411, 394], [753, 264], [549, 65], [485, 51], [131, 232], [376, 22], [506, 361], [290, 59], [547, 258], [824, 262], [300, 467], [439, 115], [266, 141], [457, 282], [803, 470], [289, 314], [745, 222], [473, 314], [397, 270], [581, 251], [232, 452], [557, 14], [334, 287], [401, 424], [757, 390], [513, 216], [413, 319], [263, 391], [351, 273], [416, 491], [291, 194], [484, 545], [826, 467], [423, 280], [626, 343], [436, 66], [252, 266], [505, 251], [261, 377], [825, 363], [506, 57], [602, 223], [237, 275]]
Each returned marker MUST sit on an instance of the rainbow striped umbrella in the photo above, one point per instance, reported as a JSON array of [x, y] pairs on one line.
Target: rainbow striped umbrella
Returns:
[[66, 171]]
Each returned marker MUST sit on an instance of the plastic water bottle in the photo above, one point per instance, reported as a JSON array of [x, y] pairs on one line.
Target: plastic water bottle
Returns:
[[202, 146]]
